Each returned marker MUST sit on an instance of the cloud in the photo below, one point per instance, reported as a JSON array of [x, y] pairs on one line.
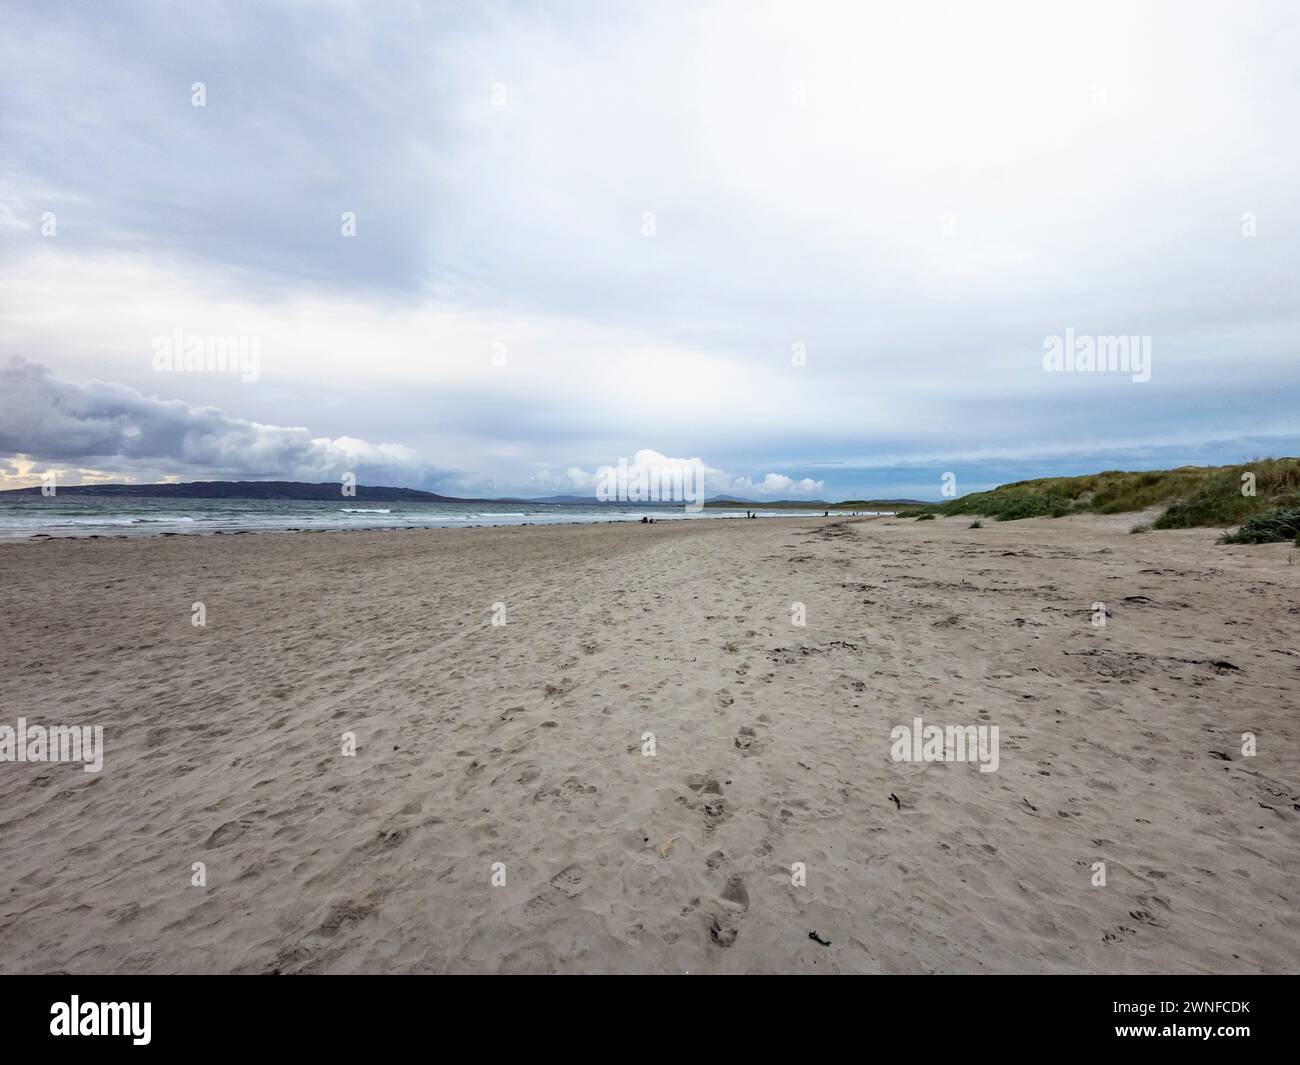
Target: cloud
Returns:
[[648, 466], [642, 463], [52, 421], [778, 484]]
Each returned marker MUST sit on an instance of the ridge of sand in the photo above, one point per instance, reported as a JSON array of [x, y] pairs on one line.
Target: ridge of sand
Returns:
[[522, 744]]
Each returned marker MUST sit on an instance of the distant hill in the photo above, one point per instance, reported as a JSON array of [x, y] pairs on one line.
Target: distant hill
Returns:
[[581, 501], [587, 501], [768, 504], [715, 501], [861, 503], [813, 504]]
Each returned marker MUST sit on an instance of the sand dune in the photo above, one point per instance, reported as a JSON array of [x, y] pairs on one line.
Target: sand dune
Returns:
[[523, 744]]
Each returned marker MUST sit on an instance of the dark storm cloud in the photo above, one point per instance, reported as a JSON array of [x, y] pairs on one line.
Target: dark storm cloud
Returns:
[[98, 424]]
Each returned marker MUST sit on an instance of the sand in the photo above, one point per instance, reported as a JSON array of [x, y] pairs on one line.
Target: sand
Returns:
[[522, 744]]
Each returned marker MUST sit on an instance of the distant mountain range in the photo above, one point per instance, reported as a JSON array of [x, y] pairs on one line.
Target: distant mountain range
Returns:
[[332, 490]]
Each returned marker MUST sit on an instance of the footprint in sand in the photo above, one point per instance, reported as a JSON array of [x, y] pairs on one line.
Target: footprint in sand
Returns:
[[1146, 917], [715, 812], [348, 911], [724, 921], [562, 687], [564, 794], [569, 881], [567, 884], [700, 782], [228, 833]]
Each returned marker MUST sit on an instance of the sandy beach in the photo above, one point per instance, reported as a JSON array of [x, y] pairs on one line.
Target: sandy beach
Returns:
[[503, 811]]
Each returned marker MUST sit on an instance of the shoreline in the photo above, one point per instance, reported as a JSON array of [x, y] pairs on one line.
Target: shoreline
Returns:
[[150, 533]]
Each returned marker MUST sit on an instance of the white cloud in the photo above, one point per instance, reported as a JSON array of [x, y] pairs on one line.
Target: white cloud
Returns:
[[778, 484], [693, 470]]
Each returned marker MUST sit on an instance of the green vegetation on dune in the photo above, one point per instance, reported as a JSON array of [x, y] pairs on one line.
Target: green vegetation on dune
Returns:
[[1271, 527], [1192, 496], [1219, 501]]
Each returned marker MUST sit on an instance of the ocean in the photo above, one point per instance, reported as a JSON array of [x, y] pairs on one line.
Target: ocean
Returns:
[[86, 515]]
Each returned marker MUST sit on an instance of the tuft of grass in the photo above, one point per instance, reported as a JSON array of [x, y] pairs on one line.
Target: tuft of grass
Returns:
[[1140, 528], [976, 524], [1272, 527]]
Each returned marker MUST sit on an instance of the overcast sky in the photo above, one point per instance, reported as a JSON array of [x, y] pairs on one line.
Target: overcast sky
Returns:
[[820, 248]]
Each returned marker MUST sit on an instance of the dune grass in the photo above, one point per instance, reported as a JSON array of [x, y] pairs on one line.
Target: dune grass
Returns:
[[1191, 495], [1219, 499], [1271, 527]]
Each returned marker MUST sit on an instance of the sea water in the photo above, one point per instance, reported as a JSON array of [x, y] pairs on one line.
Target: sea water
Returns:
[[89, 515]]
